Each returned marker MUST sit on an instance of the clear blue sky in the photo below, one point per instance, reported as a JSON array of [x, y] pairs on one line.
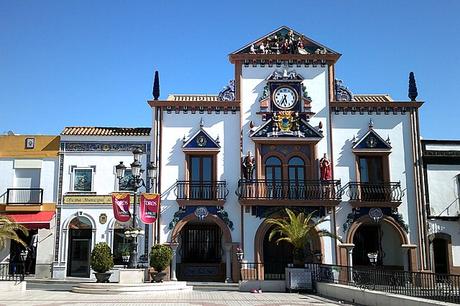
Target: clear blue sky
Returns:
[[71, 63]]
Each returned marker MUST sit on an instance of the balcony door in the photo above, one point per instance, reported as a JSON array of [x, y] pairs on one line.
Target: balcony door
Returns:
[[296, 176], [371, 169], [27, 181], [372, 177], [273, 177], [201, 174]]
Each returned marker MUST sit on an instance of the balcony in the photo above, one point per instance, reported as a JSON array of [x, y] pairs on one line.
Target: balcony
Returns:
[[387, 194], [285, 192], [24, 196], [22, 200], [201, 193]]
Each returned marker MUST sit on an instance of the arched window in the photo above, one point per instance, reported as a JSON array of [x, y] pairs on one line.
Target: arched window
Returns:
[[273, 169], [296, 169]]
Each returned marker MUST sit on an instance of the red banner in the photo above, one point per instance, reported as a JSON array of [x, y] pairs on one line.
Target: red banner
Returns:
[[149, 207], [120, 204]]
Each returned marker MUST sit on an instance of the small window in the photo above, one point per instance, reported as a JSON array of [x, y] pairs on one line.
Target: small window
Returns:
[[126, 184], [82, 179]]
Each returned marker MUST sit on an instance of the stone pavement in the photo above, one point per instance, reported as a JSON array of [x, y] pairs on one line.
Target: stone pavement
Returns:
[[198, 298]]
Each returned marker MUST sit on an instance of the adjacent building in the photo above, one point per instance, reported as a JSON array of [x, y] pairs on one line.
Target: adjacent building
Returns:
[[441, 165], [87, 177], [28, 194]]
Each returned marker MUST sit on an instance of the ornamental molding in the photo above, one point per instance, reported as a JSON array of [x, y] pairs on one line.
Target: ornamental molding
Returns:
[[379, 212], [218, 211], [287, 124], [70, 146], [342, 93], [228, 93]]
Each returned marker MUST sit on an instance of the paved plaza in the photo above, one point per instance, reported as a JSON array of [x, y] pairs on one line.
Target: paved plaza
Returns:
[[208, 298]]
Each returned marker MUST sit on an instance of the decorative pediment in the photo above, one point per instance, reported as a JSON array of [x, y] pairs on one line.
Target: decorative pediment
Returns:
[[287, 125], [201, 140], [284, 41], [371, 141]]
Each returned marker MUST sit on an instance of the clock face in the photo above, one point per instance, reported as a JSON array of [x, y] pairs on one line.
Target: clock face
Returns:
[[285, 98]]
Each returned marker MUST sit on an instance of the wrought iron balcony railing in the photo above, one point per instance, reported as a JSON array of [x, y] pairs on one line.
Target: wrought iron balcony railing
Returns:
[[389, 192], [289, 190], [24, 196], [205, 190]]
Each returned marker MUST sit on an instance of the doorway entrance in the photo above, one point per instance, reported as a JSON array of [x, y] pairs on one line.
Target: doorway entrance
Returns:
[[381, 238], [441, 256], [200, 250], [276, 257], [80, 238]]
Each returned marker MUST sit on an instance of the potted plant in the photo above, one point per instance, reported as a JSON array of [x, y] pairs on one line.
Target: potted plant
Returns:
[[101, 262], [160, 259]]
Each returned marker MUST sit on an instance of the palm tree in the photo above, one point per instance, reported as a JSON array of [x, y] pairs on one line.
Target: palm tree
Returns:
[[9, 231], [297, 230]]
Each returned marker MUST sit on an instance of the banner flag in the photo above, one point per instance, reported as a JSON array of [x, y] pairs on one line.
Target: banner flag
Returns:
[[149, 207], [120, 204]]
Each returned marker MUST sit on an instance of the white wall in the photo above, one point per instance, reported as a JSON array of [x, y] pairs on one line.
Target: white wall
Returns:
[[48, 177], [175, 126], [443, 190], [104, 178], [397, 127]]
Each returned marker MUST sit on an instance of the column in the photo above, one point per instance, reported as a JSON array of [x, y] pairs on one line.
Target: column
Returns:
[[174, 246], [228, 262], [349, 251]]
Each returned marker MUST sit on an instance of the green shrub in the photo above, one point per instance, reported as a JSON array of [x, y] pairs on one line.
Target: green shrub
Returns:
[[101, 258], [160, 257]]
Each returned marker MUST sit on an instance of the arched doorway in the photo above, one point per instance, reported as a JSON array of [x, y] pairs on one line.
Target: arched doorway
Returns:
[[80, 235], [201, 253], [276, 256], [381, 238]]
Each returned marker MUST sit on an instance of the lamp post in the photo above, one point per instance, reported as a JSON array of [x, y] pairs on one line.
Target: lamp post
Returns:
[[136, 181]]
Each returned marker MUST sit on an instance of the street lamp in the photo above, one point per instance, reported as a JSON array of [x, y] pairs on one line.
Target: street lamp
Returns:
[[136, 181]]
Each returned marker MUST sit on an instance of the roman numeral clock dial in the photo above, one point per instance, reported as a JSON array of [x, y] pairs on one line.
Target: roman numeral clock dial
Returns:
[[285, 98]]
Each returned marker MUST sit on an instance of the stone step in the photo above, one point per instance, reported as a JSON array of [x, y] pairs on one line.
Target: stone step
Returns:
[[116, 288]]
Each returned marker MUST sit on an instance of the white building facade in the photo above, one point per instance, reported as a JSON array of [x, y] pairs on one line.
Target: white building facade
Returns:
[[228, 162], [441, 161], [87, 177]]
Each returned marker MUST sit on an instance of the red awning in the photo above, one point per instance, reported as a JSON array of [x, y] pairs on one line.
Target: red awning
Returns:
[[34, 220]]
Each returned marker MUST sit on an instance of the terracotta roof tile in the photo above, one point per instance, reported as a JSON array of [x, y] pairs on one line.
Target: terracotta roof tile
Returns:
[[372, 98], [105, 131]]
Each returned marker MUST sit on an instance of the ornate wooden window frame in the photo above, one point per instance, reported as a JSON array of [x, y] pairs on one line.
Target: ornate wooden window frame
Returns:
[[310, 165]]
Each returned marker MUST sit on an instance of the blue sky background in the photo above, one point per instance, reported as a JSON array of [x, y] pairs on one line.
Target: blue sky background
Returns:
[[71, 63]]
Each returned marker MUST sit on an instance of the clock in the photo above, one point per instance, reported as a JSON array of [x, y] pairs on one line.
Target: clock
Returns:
[[285, 97]]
